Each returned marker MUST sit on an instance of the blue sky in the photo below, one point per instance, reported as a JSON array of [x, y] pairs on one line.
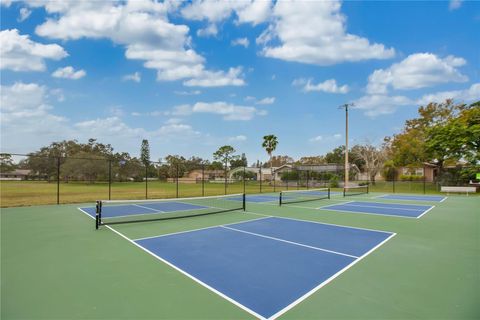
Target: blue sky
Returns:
[[192, 76]]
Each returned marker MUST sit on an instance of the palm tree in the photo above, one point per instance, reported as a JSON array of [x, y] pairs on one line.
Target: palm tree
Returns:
[[270, 143]]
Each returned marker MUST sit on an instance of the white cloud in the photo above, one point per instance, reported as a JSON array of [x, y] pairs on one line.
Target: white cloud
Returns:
[[250, 98], [418, 70], [329, 86], [143, 28], [19, 53], [255, 12], [24, 14], [188, 93], [209, 31], [69, 73], [136, 77], [455, 4], [241, 42], [5, 3], [58, 94], [238, 138], [468, 95], [314, 32], [267, 100], [375, 105], [234, 77], [227, 110], [26, 116], [27, 122]]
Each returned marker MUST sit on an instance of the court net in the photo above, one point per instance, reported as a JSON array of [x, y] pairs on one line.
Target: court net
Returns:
[[295, 196], [128, 211], [354, 191]]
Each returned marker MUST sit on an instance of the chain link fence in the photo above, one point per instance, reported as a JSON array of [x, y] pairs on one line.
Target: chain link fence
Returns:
[[35, 180]]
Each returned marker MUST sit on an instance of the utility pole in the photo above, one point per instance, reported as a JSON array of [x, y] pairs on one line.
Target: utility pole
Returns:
[[346, 106]]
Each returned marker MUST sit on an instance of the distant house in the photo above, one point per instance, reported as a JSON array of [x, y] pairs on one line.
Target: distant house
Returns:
[[427, 170], [265, 174], [197, 175], [17, 174]]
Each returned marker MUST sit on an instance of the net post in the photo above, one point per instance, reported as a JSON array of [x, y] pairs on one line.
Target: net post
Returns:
[[203, 180], [98, 210], [244, 200], [328, 189], [344, 191], [368, 187], [244, 178], [280, 199]]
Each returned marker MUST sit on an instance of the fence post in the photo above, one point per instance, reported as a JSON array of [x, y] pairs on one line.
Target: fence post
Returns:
[[393, 181], [272, 174], [286, 177], [308, 177], [225, 174], [424, 182], [58, 180], [203, 180], [260, 177], [177, 182], [110, 179], [146, 181]]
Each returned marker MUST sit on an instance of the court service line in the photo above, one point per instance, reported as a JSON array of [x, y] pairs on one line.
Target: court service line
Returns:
[[238, 304], [369, 213], [290, 242], [154, 210], [308, 294], [198, 229], [318, 222], [379, 207]]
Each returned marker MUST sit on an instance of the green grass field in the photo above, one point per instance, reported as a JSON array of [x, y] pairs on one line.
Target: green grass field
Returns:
[[26, 193], [55, 265]]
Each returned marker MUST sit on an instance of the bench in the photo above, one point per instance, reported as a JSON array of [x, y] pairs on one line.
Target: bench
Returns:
[[467, 190]]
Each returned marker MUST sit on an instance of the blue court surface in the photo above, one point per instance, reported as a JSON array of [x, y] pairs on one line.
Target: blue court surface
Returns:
[[413, 198], [388, 209], [267, 265], [144, 208]]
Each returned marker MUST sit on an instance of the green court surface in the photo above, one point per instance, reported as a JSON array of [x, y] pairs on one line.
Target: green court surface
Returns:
[[55, 265]]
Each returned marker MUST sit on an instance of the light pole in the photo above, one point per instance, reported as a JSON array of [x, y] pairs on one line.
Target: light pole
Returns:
[[346, 106]]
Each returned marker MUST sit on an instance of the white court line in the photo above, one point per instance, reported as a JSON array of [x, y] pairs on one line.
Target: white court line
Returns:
[[425, 198], [308, 294], [380, 207], [290, 306], [238, 304], [317, 222], [372, 214], [198, 229], [155, 210], [425, 212], [290, 242]]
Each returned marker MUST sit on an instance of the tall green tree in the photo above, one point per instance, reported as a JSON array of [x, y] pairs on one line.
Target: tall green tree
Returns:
[[6, 162], [456, 138], [145, 152], [225, 154], [443, 132], [270, 143]]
